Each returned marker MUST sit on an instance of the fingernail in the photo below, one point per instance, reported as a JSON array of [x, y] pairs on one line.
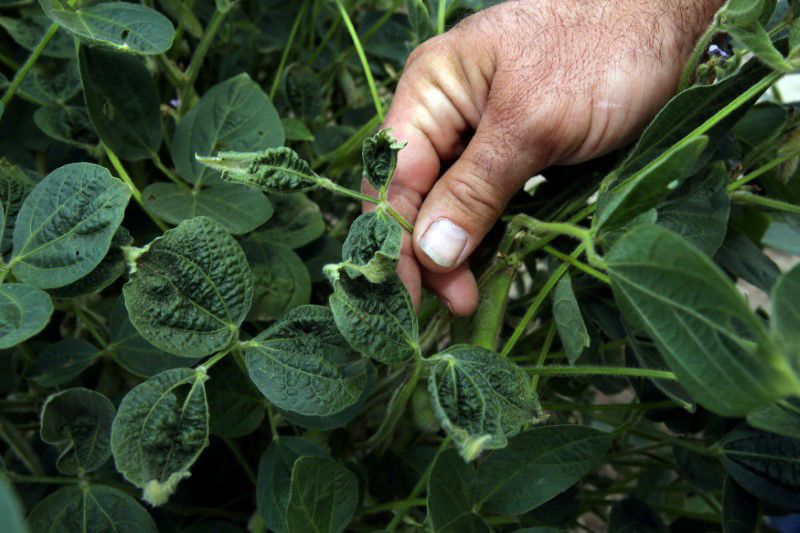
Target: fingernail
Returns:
[[444, 242]]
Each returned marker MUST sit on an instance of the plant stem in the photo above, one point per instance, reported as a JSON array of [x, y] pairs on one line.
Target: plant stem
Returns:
[[441, 14], [537, 302], [393, 506], [193, 70], [580, 265], [332, 186], [217, 358], [741, 197], [697, 54], [487, 321], [645, 406], [168, 173], [362, 57], [419, 487], [135, 192], [576, 232], [398, 217], [548, 341], [285, 55], [397, 406], [558, 370], [20, 75], [760, 171]]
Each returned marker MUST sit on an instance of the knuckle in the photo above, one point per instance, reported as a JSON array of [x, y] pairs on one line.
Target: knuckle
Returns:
[[478, 199]]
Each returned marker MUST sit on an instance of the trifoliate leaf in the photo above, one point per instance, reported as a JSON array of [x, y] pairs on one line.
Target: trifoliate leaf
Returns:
[[190, 290], [160, 430], [304, 365]]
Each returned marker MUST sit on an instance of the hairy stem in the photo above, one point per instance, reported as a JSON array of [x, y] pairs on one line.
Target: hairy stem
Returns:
[[741, 197], [558, 370], [362, 57], [135, 192], [487, 321]]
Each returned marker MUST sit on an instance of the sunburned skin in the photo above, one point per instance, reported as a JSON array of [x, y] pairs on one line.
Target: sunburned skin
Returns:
[[509, 91]]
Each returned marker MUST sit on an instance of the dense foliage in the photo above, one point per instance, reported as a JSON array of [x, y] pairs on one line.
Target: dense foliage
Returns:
[[200, 332]]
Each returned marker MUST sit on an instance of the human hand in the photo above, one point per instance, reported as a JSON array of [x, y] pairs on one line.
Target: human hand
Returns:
[[515, 88]]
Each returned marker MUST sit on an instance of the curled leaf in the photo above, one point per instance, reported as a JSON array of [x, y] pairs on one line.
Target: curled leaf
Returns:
[[273, 170]]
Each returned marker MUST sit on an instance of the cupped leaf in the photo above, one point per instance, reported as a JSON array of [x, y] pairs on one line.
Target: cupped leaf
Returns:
[[377, 319], [281, 279], [647, 188], [239, 209], [66, 224], [323, 496], [233, 115], [304, 365], [67, 124], [700, 323], [785, 320], [632, 514], [297, 221], [235, 407], [372, 247], [122, 101], [480, 398], [121, 25], [90, 508], [303, 91], [275, 475], [11, 512], [190, 290], [78, 421], [24, 312], [62, 362], [569, 321], [379, 155], [276, 170], [15, 186], [765, 464], [133, 352], [160, 430], [110, 268]]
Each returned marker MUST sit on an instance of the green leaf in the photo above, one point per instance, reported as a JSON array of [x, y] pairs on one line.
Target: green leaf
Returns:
[[739, 509], [160, 430], [28, 30], [110, 268], [480, 398], [235, 407], [742, 258], [647, 356], [15, 186], [133, 352], [78, 422], [274, 478], [233, 115], [764, 464], [569, 321], [190, 290], [318, 253], [758, 41], [239, 209], [295, 130], [276, 170], [699, 210], [11, 512], [785, 320], [303, 91], [302, 364], [419, 18], [54, 83], [377, 319], [372, 247], [700, 323], [633, 515], [323, 496], [510, 481], [67, 124], [782, 418], [178, 10], [744, 11], [66, 224], [281, 279], [379, 154], [297, 221], [88, 508], [62, 362], [24, 312], [122, 101], [648, 188], [121, 25]]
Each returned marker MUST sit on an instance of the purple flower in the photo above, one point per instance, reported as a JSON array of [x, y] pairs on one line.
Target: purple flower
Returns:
[[175, 103], [715, 50]]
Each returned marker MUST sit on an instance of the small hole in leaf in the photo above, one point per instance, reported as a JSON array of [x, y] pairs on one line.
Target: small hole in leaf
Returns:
[[77, 253], [124, 34]]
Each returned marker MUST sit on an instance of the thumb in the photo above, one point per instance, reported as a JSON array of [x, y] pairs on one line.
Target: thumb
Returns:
[[467, 200]]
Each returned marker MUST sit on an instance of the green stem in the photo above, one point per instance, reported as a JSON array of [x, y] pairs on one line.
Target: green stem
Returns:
[[135, 192], [351, 145], [441, 14], [276, 82], [168, 173], [576, 232], [419, 487], [580, 265], [193, 70], [362, 58], [273, 421], [548, 341], [537, 302], [394, 506], [697, 54], [217, 358], [20, 75], [760, 171], [487, 321], [332, 186], [558, 370], [397, 406], [398, 217], [741, 197]]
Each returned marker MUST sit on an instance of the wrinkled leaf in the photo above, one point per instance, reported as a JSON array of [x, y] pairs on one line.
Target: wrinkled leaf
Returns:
[[24, 312], [379, 155], [323, 496], [160, 430], [15, 186], [480, 398], [304, 365], [78, 422], [303, 92], [276, 170], [281, 280], [190, 289], [372, 247]]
